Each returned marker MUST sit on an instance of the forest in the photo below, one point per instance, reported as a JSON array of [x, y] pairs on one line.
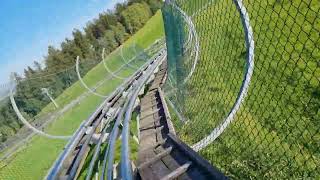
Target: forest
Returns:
[[109, 30]]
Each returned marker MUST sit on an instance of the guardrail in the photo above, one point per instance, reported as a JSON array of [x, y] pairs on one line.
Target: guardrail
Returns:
[[127, 108], [126, 172], [92, 121]]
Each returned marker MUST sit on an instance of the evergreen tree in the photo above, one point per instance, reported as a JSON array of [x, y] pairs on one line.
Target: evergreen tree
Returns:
[[108, 31], [134, 21]]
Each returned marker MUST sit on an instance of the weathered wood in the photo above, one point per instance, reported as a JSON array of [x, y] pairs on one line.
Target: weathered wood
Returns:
[[176, 173], [159, 143], [174, 161], [203, 164], [147, 173], [161, 154], [156, 158]]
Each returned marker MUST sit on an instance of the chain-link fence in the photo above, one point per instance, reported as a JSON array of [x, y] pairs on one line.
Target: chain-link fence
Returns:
[[244, 84], [54, 103]]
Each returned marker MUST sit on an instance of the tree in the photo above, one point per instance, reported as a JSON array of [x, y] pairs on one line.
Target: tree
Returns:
[[107, 20], [134, 21], [121, 35], [119, 8], [81, 42], [108, 31], [155, 5], [28, 72], [37, 65], [108, 41]]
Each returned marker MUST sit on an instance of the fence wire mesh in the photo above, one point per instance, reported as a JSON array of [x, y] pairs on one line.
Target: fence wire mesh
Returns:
[[251, 120], [54, 104]]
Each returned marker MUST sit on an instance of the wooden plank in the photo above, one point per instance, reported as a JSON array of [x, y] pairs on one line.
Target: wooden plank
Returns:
[[156, 158], [160, 169], [177, 164], [201, 163], [174, 161], [147, 173], [176, 173], [159, 143], [155, 170]]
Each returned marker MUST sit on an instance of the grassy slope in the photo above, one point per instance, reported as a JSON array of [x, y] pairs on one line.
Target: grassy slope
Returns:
[[275, 134], [37, 157]]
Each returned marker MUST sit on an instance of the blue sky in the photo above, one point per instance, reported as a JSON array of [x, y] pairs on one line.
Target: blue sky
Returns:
[[28, 26]]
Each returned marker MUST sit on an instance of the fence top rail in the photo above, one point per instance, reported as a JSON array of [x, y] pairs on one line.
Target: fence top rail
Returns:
[[55, 169]]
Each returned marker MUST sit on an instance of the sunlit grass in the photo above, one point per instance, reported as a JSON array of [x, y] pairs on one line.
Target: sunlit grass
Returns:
[[38, 155], [276, 132]]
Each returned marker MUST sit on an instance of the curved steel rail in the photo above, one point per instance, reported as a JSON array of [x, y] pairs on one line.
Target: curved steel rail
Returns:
[[63, 156], [136, 52], [109, 154], [81, 130], [85, 146], [112, 74], [121, 67], [182, 119], [98, 146], [246, 82], [124, 59], [43, 75], [61, 162], [126, 170], [27, 124], [83, 83], [127, 63], [195, 35], [168, 94], [107, 68]]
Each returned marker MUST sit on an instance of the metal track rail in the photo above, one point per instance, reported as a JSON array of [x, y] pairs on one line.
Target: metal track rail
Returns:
[[125, 115], [71, 160], [161, 154]]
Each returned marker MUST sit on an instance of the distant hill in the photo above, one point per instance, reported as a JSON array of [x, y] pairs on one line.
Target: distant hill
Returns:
[[108, 31]]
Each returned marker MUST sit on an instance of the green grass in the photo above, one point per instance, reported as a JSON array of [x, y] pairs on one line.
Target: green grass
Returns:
[[276, 132], [117, 156], [35, 159]]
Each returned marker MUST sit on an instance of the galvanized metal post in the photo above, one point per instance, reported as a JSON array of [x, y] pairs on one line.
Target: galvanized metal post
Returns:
[[45, 91]]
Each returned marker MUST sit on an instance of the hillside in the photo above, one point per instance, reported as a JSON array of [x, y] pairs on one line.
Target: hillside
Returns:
[[109, 30], [33, 161], [275, 133]]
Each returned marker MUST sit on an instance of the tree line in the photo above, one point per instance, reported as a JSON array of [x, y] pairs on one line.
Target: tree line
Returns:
[[109, 30]]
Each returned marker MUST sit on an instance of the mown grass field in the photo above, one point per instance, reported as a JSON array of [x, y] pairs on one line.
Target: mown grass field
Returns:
[[37, 156], [276, 132]]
